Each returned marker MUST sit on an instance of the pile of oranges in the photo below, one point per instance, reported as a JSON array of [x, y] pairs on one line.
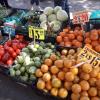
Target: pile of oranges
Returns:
[[93, 38], [58, 76], [77, 38], [70, 38]]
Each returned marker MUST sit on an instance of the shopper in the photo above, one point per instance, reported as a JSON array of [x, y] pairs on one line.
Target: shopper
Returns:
[[4, 3], [37, 4]]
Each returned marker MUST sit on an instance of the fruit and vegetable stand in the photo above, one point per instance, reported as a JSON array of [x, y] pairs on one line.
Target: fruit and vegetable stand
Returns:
[[41, 51]]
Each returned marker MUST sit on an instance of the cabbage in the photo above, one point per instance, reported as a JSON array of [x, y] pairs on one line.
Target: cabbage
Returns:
[[62, 15], [43, 17], [43, 25], [57, 8], [56, 25], [48, 11], [52, 17]]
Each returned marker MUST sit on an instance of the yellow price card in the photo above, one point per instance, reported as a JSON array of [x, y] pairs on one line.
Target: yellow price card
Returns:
[[87, 54], [39, 34], [31, 31], [36, 33]]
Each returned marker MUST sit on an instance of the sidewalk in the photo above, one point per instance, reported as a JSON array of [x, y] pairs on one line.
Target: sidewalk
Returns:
[[78, 5]]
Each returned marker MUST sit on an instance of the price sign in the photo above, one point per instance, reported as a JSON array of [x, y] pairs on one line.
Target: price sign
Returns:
[[36, 33], [9, 30], [89, 55], [80, 17]]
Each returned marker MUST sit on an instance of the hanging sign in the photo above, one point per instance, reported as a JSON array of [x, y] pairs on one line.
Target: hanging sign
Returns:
[[80, 17], [87, 54], [36, 33]]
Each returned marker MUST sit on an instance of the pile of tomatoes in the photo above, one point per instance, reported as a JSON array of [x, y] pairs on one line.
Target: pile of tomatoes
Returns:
[[11, 49]]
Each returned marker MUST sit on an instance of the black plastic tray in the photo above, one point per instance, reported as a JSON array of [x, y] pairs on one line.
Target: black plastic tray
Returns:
[[4, 39], [48, 95]]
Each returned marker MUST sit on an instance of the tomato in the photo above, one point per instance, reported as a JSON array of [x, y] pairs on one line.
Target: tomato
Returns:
[[6, 47], [14, 55], [9, 42], [10, 50], [17, 36], [15, 41], [18, 51], [2, 52], [5, 57], [0, 57], [14, 46], [1, 46], [21, 45], [10, 62]]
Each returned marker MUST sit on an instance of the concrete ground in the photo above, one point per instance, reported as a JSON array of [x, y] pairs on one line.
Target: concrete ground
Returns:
[[78, 5]]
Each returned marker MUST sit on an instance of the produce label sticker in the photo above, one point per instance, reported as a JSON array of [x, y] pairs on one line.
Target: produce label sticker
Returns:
[[80, 17], [36, 33], [87, 54]]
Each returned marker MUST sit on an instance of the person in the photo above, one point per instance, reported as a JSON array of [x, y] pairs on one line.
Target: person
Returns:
[[37, 4], [4, 3]]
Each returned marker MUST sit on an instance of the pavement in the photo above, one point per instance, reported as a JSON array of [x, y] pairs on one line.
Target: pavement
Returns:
[[78, 5]]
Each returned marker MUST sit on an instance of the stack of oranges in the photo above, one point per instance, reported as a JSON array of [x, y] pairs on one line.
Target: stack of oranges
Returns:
[[58, 76], [70, 38], [93, 38]]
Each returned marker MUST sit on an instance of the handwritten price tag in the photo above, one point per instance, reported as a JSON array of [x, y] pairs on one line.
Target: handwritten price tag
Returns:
[[89, 55], [80, 17], [9, 30], [36, 33]]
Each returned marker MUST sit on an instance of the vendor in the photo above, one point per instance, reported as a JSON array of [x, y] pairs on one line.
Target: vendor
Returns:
[[37, 4]]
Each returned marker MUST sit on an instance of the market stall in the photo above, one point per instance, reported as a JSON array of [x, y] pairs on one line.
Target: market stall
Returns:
[[43, 51]]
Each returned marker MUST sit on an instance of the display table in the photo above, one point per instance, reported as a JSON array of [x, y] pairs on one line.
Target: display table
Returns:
[[9, 90]]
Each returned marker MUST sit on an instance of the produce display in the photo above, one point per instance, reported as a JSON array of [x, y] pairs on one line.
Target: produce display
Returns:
[[57, 73], [29, 60], [52, 19], [59, 76], [11, 49], [70, 38], [93, 38]]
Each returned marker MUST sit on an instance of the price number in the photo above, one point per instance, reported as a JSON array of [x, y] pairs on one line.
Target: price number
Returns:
[[89, 55], [36, 33], [80, 17]]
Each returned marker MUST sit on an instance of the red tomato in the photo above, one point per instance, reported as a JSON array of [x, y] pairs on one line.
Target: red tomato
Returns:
[[10, 50], [9, 62], [0, 57], [1, 46], [15, 41], [6, 47], [2, 52], [14, 55], [9, 42], [5, 57], [14, 46], [17, 36], [18, 51], [21, 37]]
